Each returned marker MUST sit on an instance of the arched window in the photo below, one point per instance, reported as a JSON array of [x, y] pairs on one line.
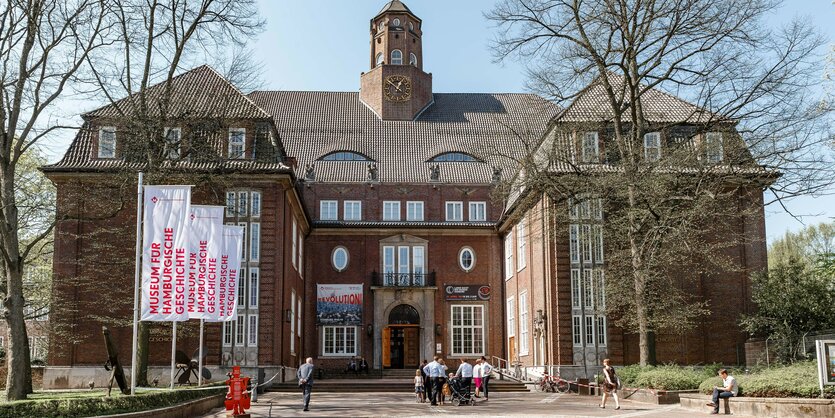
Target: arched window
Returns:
[[411, 26], [413, 59], [404, 314], [454, 157], [380, 58], [396, 57], [395, 22], [345, 156]]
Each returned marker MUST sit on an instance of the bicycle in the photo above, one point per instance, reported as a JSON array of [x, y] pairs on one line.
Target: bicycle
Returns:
[[553, 384]]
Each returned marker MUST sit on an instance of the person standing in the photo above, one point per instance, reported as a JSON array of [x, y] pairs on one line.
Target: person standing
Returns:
[[427, 383], [486, 370], [610, 384], [729, 389], [477, 376], [465, 372], [435, 371], [305, 375]]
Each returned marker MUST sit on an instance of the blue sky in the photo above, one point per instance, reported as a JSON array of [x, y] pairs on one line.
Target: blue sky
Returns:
[[324, 45]]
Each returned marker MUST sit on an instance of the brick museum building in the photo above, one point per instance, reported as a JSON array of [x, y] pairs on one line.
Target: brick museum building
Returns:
[[372, 220]]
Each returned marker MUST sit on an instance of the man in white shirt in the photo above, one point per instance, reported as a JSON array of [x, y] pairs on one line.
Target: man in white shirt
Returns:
[[465, 372], [435, 371], [729, 389], [486, 369]]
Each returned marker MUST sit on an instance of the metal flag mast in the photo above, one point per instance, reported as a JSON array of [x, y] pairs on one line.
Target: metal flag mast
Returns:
[[137, 271]]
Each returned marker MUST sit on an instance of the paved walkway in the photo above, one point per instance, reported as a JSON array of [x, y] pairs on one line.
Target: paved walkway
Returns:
[[502, 404]]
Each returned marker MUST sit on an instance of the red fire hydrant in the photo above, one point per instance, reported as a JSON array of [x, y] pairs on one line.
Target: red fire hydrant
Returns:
[[237, 398]]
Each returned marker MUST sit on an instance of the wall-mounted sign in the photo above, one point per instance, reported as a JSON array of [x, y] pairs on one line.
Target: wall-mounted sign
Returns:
[[339, 304], [460, 293]]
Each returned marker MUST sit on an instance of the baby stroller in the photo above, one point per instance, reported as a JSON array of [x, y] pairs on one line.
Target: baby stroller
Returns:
[[460, 394]]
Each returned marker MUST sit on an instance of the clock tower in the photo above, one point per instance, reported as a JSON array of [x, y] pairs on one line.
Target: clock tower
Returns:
[[396, 87]]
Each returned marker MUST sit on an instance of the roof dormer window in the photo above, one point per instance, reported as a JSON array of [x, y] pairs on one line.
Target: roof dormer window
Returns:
[[237, 143], [107, 142], [454, 157], [345, 156]]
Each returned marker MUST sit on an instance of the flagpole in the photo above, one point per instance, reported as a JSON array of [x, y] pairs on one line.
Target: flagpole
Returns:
[[137, 271], [200, 357], [173, 351]]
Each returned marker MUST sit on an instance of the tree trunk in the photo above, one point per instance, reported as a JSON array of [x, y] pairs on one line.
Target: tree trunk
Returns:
[[640, 281], [19, 378], [142, 354]]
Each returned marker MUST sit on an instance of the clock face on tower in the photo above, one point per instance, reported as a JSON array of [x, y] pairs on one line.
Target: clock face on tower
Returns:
[[398, 88]]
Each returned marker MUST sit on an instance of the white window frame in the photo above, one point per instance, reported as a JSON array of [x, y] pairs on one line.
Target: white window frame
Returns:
[[652, 146], [170, 153], [301, 254], [398, 58], [355, 211], [228, 332], [112, 146], [511, 316], [601, 331], [414, 211], [340, 248], [244, 241], [461, 259], [240, 330], [252, 330], [293, 238], [523, 323], [412, 57], [714, 147], [299, 317], [588, 289], [348, 351], [380, 59], [292, 322], [576, 288], [454, 211], [243, 204], [464, 327], [254, 287], [254, 241], [236, 150], [418, 259], [598, 244], [574, 243], [243, 279], [325, 208], [255, 204], [589, 324], [477, 211], [594, 156], [508, 255], [600, 286], [391, 210], [231, 204], [521, 245], [577, 330]]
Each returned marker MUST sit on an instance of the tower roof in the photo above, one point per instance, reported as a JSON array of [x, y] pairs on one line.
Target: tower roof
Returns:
[[394, 6]]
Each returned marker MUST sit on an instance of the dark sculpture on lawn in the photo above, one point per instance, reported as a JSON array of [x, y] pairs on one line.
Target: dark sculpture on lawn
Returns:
[[113, 365], [187, 367]]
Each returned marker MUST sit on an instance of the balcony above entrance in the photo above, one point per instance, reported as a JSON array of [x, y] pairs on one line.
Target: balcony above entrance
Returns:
[[407, 280]]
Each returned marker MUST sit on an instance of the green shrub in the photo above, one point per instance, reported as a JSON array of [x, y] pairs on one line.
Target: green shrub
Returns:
[[92, 406], [670, 377], [799, 380], [628, 375]]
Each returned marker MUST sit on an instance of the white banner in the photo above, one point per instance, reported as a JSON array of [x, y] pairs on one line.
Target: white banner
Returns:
[[165, 254], [230, 267], [205, 244]]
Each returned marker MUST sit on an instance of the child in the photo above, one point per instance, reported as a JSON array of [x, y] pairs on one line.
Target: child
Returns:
[[446, 390], [420, 394]]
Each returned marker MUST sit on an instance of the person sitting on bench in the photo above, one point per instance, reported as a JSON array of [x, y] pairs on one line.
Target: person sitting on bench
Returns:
[[729, 389], [363, 365], [352, 366]]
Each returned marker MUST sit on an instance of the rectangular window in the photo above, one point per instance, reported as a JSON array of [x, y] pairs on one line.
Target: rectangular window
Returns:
[[414, 211], [243, 241], [589, 330], [255, 207], [575, 288], [299, 317], [403, 259], [508, 255], [328, 210], [352, 210], [589, 150], [172, 143], [598, 244], [572, 209], [254, 274], [652, 146], [237, 143], [243, 199], [301, 254], [598, 209], [293, 244], [454, 211], [574, 243], [523, 323], [418, 262], [231, 200], [715, 148], [391, 211], [600, 286], [388, 260], [242, 288], [576, 330], [468, 330], [239, 333], [601, 330], [227, 333], [292, 322], [587, 242], [478, 211], [588, 290], [107, 142], [511, 317], [521, 243], [2, 341], [339, 341], [254, 241], [252, 334]]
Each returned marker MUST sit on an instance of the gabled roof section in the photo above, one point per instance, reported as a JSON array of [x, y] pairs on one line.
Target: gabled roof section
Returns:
[[198, 93], [395, 6], [592, 105]]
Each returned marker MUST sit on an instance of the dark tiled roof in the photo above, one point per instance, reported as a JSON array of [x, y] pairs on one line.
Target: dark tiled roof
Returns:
[[592, 105], [198, 93], [492, 127], [395, 6]]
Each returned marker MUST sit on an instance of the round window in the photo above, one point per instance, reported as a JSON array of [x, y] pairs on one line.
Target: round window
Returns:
[[395, 22], [466, 259], [339, 258]]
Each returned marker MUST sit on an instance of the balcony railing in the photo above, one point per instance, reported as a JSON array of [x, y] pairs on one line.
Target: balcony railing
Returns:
[[403, 279]]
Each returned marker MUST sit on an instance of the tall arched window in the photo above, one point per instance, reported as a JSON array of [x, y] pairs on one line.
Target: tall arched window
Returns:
[[379, 59], [396, 57], [413, 59]]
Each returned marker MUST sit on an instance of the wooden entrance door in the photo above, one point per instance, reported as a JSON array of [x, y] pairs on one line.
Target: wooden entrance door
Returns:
[[386, 347], [512, 349], [411, 345]]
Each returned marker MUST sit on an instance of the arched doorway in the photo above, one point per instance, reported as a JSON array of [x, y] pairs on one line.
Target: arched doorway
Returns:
[[401, 338]]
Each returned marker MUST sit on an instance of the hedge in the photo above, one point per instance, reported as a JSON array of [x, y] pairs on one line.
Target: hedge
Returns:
[[665, 377], [85, 407], [799, 380]]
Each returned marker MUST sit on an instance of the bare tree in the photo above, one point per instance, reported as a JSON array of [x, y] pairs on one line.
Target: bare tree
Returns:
[[753, 85]]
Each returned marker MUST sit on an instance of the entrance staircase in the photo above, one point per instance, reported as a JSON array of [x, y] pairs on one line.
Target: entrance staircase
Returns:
[[393, 380]]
